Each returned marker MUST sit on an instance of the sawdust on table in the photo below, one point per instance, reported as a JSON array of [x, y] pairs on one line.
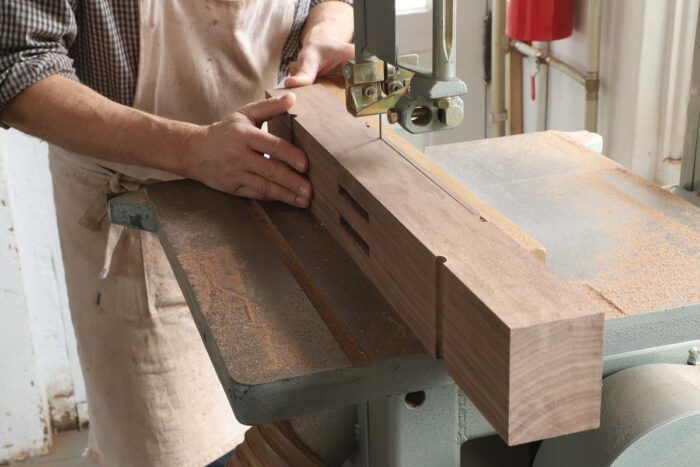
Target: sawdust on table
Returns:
[[655, 261], [655, 264]]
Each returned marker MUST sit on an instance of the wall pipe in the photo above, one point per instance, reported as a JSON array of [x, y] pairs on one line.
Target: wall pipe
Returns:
[[589, 79], [499, 47], [593, 65], [548, 59]]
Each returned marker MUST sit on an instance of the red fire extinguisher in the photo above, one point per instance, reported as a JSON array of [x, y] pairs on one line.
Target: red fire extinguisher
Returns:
[[539, 20]]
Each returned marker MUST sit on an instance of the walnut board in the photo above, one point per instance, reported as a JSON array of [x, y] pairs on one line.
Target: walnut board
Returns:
[[466, 197], [523, 344]]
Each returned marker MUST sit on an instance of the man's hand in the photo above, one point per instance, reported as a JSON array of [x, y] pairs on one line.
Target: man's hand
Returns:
[[318, 59], [228, 156], [325, 43]]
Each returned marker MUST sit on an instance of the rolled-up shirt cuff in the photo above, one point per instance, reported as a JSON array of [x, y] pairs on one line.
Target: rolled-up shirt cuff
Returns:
[[26, 71], [317, 2]]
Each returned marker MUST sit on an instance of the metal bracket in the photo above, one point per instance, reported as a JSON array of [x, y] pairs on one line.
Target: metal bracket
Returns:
[[378, 82], [372, 86], [132, 210]]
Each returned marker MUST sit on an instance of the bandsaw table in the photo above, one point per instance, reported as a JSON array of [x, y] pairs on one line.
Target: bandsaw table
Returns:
[[631, 246]]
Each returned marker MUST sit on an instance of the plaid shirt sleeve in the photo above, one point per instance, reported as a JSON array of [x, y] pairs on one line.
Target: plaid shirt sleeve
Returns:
[[316, 2], [36, 35], [34, 39]]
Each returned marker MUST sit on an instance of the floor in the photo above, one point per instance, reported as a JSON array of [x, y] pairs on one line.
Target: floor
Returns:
[[67, 451], [69, 446]]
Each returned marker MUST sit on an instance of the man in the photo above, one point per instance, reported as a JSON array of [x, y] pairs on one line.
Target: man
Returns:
[[133, 91]]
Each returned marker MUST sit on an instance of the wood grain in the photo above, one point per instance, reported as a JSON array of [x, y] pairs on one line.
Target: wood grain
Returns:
[[463, 195], [524, 345]]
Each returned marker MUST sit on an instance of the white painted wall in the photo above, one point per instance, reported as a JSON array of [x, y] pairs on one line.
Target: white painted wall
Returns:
[[646, 61], [36, 339], [24, 419]]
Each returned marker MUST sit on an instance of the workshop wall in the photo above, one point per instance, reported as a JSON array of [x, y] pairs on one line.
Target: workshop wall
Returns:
[[646, 62], [41, 383]]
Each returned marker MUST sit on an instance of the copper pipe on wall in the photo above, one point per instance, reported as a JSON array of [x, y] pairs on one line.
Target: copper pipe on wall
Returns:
[[589, 78]]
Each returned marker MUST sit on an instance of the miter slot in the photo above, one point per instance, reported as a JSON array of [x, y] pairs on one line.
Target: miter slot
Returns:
[[328, 314]]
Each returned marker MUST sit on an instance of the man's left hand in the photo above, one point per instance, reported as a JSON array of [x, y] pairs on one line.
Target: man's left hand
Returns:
[[325, 43], [318, 59]]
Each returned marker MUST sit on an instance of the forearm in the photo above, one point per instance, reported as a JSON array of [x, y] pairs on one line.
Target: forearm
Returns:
[[71, 115], [329, 20]]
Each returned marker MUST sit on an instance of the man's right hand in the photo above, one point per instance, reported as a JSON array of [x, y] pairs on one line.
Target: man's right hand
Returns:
[[229, 156]]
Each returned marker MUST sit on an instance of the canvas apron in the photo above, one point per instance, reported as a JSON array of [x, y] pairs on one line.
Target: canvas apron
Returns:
[[153, 395]]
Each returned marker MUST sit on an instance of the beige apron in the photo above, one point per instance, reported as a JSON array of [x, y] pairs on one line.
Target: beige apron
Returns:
[[153, 395]]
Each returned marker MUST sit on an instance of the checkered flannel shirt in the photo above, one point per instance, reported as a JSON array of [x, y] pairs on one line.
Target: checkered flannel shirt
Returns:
[[95, 41]]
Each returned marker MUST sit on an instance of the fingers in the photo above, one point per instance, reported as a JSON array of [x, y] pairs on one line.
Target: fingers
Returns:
[[317, 61], [306, 69], [342, 52], [253, 175], [279, 149], [256, 187], [280, 174], [262, 111]]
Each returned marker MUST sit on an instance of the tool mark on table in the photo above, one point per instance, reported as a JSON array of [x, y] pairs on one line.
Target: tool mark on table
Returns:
[[598, 295], [219, 271]]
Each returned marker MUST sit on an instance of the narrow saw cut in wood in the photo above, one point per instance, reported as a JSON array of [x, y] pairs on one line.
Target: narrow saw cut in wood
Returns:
[[524, 345], [457, 190]]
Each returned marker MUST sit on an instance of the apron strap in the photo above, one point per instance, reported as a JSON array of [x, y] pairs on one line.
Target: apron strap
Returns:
[[96, 212], [113, 236]]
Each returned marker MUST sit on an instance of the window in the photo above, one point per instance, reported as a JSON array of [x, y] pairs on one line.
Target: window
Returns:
[[404, 7]]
